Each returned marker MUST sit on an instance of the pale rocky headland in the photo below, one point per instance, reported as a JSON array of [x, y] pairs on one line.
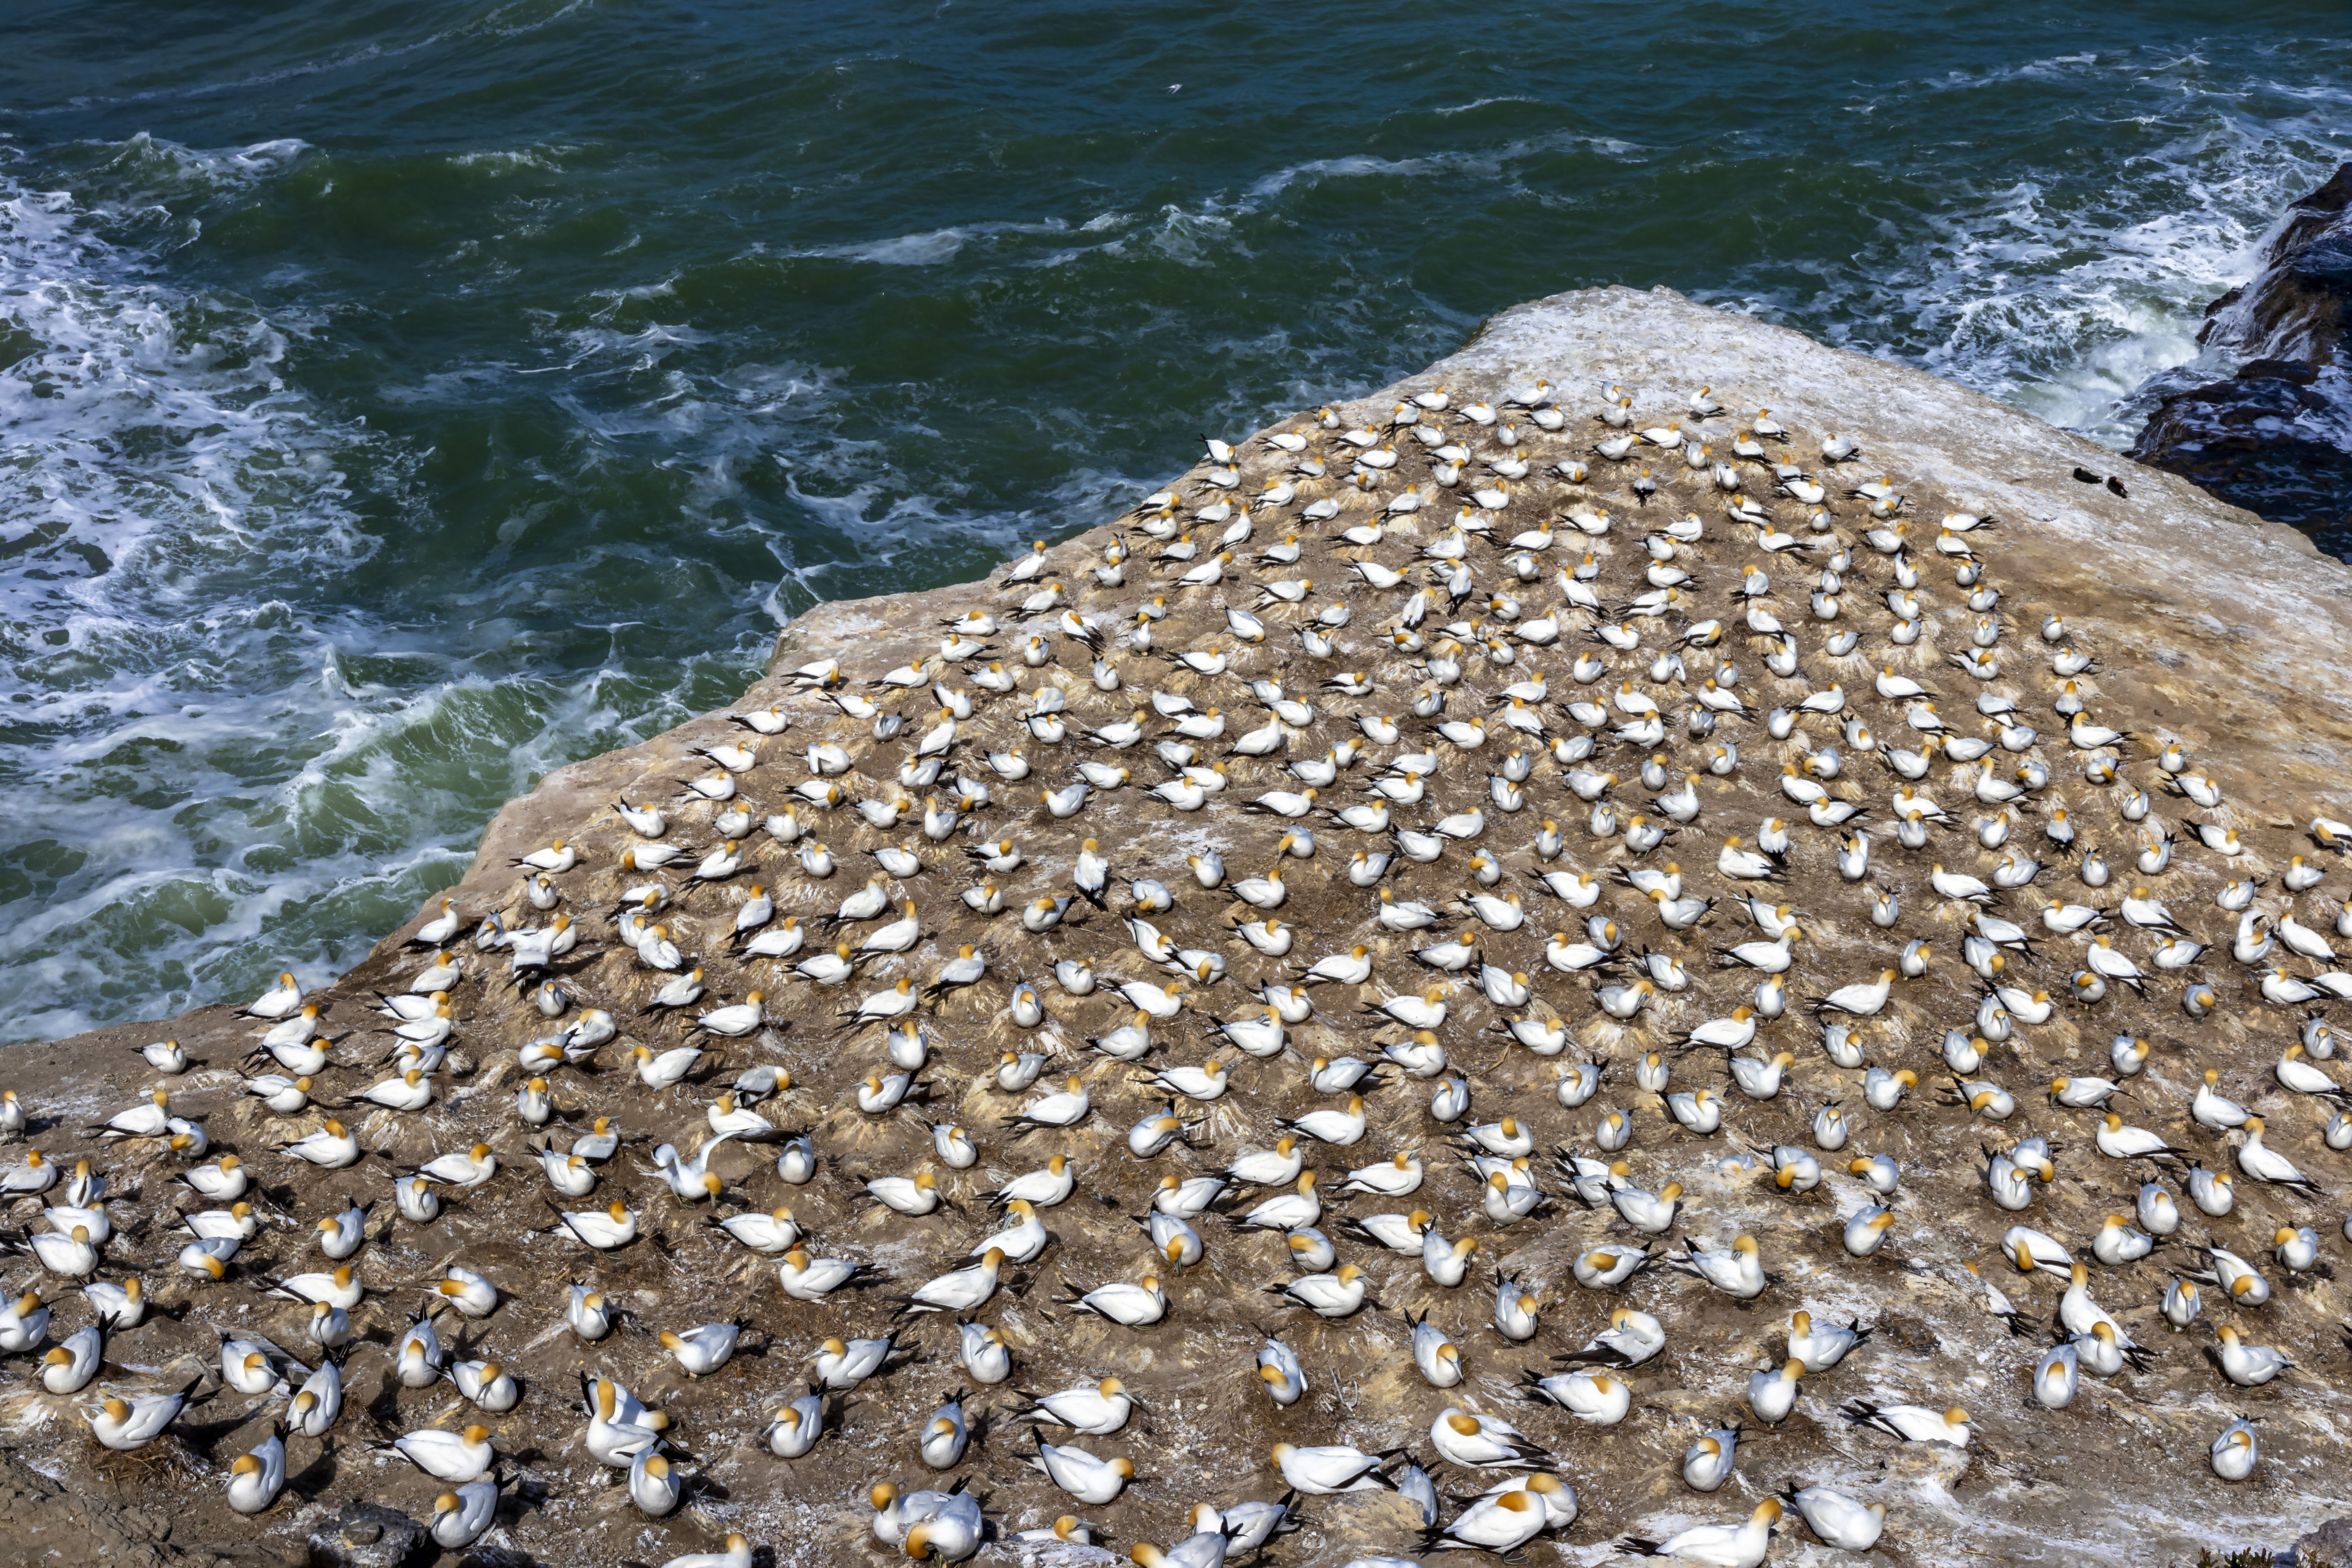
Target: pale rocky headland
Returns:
[[2211, 642]]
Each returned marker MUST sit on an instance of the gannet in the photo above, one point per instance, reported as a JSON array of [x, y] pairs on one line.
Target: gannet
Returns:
[[1718, 1545], [458, 1456], [1132, 1306], [1079, 1473], [1322, 1471], [128, 1424]]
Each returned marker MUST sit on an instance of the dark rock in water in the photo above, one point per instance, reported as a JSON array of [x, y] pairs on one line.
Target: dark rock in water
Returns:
[[2275, 437]]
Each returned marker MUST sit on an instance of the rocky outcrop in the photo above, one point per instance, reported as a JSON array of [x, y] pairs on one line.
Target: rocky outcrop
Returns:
[[2190, 624], [2275, 434]]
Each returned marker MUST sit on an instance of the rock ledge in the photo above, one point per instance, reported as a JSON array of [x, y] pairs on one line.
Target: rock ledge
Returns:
[[2213, 631]]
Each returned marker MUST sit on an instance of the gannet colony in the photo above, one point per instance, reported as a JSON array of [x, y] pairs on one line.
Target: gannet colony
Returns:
[[1658, 940]]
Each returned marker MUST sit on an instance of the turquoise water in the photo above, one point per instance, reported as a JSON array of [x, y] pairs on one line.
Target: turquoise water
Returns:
[[403, 400]]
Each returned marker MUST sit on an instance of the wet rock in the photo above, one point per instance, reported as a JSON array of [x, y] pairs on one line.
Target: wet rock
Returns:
[[2275, 436]]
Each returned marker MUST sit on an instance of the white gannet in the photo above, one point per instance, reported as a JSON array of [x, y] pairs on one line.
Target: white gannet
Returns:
[[463, 1516], [1133, 1306], [127, 1424], [1821, 1346], [2247, 1366], [2234, 1452], [1912, 1423], [1838, 1519], [458, 1456], [1741, 1545], [1079, 1473], [1737, 1270], [701, 1350]]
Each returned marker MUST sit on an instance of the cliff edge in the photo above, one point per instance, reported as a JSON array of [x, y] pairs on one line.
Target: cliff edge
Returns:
[[1632, 749]]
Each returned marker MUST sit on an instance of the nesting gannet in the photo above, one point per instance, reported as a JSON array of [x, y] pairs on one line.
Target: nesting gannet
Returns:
[[1741, 1545]]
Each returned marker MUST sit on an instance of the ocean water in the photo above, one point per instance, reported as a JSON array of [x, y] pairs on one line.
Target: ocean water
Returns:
[[399, 401]]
